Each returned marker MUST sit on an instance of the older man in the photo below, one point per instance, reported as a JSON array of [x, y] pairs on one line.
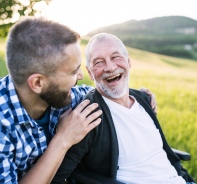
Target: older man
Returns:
[[129, 144]]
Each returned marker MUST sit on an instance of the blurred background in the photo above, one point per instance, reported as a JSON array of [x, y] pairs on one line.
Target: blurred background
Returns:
[[161, 36]]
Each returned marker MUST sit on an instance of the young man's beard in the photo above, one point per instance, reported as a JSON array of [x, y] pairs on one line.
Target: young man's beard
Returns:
[[56, 98]]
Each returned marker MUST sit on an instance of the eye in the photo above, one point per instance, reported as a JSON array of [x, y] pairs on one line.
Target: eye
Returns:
[[75, 72], [116, 57], [98, 62]]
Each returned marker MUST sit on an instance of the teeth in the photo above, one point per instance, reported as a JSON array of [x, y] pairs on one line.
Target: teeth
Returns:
[[113, 77]]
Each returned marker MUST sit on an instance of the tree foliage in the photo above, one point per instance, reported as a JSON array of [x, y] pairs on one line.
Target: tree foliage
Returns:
[[11, 8]]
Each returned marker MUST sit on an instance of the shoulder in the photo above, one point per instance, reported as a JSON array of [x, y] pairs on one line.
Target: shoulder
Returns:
[[78, 93], [6, 115], [81, 90], [5, 82], [139, 94], [7, 91], [94, 96], [90, 95]]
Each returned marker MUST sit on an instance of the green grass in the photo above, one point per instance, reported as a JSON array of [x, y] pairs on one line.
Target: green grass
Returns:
[[174, 82], [3, 69]]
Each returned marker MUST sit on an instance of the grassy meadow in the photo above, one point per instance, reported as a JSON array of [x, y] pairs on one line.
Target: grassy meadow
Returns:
[[174, 82]]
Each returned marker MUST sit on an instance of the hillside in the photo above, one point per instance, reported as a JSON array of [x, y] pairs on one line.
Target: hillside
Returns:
[[172, 35]]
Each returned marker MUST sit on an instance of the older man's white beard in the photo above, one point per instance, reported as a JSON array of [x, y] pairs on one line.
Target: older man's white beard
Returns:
[[115, 92]]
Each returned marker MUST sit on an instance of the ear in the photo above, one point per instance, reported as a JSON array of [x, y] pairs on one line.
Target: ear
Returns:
[[36, 82], [90, 74]]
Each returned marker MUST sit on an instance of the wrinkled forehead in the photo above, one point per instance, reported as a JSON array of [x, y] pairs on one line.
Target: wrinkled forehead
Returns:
[[104, 46], [110, 41]]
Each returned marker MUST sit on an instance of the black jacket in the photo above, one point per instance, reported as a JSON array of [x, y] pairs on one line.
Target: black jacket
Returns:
[[98, 151]]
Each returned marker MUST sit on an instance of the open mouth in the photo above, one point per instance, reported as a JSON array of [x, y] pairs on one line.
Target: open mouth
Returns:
[[114, 78]]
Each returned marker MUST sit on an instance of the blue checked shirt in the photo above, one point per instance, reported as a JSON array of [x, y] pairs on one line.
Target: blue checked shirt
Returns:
[[22, 140]]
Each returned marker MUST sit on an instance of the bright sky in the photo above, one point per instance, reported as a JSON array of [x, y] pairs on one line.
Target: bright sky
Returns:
[[86, 15]]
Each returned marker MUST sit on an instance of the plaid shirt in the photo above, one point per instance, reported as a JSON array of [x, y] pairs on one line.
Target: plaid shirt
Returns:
[[22, 140]]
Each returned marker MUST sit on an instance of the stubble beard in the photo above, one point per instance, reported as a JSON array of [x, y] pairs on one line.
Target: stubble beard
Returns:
[[56, 98], [114, 92]]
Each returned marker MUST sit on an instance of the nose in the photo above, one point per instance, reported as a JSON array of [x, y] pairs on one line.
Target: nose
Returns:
[[80, 75], [110, 66]]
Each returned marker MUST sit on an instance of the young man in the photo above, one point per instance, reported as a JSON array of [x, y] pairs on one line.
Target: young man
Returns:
[[44, 59], [129, 144]]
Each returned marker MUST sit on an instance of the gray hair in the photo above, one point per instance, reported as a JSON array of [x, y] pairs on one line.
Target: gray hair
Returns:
[[100, 37], [37, 45]]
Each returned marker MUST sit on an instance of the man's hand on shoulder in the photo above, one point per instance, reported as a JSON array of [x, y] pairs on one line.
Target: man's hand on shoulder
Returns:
[[75, 125], [153, 100]]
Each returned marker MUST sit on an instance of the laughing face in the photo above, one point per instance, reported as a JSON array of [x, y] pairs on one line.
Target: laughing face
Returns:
[[109, 67], [57, 93]]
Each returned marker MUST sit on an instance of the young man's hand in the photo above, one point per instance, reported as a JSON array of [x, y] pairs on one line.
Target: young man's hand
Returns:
[[74, 125], [153, 100]]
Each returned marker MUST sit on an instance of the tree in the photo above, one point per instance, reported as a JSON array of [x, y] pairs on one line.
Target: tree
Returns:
[[12, 10]]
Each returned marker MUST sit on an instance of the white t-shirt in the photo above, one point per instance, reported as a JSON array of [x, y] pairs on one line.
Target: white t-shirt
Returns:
[[142, 159]]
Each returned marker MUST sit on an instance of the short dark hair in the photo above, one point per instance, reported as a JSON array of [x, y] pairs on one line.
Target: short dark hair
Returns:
[[36, 45]]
